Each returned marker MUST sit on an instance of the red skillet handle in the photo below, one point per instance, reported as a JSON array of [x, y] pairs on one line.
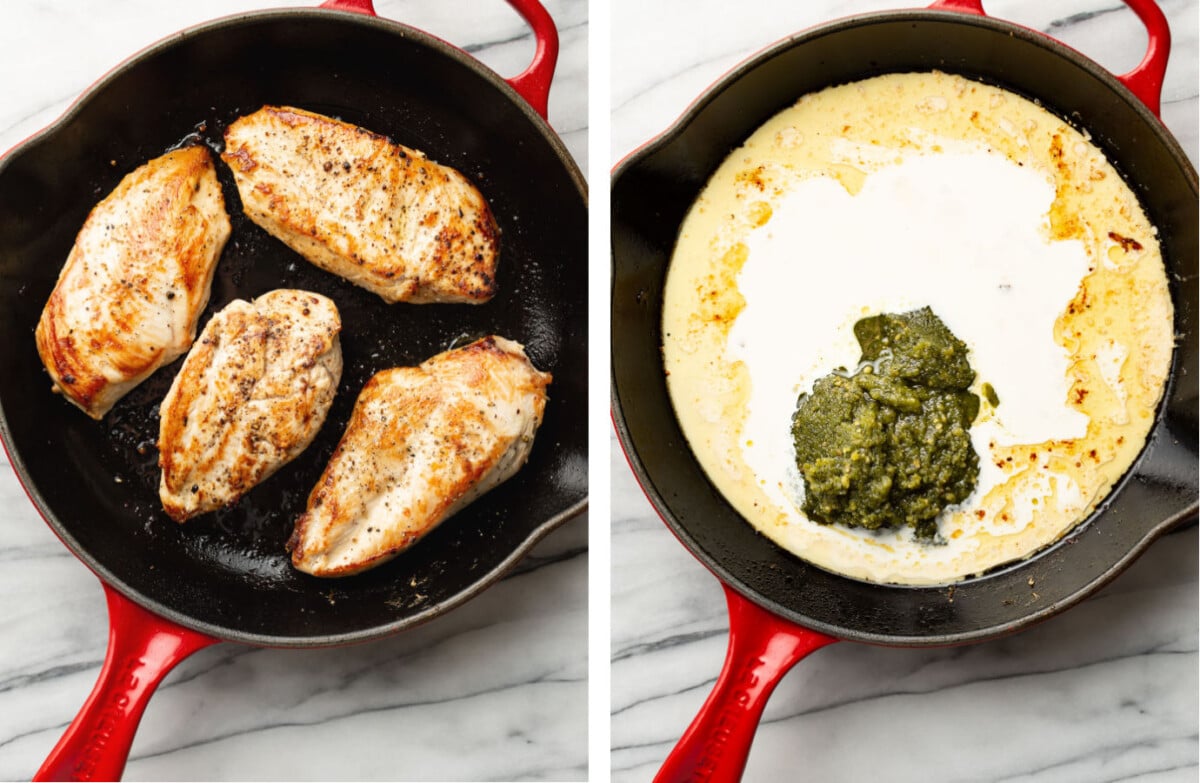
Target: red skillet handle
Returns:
[[533, 84], [762, 648], [142, 648], [1146, 79]]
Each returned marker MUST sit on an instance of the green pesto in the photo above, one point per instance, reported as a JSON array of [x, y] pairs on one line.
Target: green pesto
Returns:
[[889, 445], [990, 395]]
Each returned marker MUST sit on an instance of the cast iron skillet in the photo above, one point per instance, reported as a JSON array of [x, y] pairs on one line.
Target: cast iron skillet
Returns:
[[225, 576], [782, 608]]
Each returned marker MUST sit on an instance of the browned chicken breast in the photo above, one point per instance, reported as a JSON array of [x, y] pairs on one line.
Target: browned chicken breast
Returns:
[[422, 443], [251, 395], [359, 206], [136, 280]]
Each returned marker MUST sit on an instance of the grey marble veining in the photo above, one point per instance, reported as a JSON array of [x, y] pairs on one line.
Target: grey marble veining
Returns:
[[496, 690], [1107, 691]]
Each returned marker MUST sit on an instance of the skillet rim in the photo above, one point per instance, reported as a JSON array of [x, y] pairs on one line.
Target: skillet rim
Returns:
[[439, 47], [714, 564]]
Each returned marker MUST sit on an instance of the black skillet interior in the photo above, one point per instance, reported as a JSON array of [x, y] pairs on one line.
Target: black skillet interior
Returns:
[[651, 193], [227, 573]]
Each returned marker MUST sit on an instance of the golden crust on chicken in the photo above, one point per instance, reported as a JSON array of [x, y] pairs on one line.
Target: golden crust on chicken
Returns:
[[251, 395], [136, 280], [422, 443], [353, 203]]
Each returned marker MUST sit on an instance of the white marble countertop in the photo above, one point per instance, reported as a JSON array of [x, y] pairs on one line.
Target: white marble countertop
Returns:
[[1105, 692], [395, 709]]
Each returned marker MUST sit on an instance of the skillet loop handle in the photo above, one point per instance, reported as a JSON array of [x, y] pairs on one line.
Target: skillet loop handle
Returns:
[[962, 6], [1146, 79], [142, 648], [762, 648], [357, 6], [532, 84]]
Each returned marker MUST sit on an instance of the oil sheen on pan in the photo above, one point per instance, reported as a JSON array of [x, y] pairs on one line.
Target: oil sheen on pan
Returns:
[[892, 194]]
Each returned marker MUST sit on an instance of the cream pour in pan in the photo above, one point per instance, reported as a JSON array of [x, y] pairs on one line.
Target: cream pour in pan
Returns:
[[892, 194]]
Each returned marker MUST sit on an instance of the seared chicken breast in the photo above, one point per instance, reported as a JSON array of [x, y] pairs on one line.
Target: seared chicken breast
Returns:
[[376, 213], [251, 395], [422, 443], [136, 280]]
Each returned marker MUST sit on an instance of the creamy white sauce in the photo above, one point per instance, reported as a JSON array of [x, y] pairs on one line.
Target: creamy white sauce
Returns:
[[899, 192], [971, 242]]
